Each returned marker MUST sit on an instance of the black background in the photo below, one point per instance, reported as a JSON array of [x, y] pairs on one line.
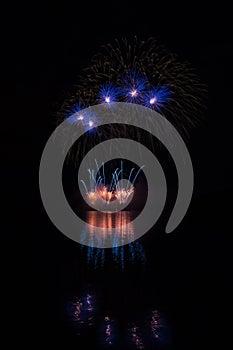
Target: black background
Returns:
[[43, 49]]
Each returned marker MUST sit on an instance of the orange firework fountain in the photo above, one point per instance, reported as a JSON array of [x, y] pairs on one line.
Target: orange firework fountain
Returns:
[[105, 194], [123, 194], [92, 196], [115, 191]]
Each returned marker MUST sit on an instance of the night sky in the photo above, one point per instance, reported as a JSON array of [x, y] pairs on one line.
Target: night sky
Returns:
[[43, 50]]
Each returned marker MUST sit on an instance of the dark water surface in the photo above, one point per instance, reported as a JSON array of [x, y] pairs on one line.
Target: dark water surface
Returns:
[[109, 315], [119, 302], [160, 301], [85, 319]]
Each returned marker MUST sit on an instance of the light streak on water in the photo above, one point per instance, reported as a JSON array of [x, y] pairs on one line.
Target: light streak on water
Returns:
[[122, 220]]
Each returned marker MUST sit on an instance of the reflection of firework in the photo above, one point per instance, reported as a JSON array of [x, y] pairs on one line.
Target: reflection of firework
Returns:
[[82, 312], [136, 337], [151, 332], [96, 257]]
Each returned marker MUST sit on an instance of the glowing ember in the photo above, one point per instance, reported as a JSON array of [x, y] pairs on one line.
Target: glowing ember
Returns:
[[134, 93], [153, 100]]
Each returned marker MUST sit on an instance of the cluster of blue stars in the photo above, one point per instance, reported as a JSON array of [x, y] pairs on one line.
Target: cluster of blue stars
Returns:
[[133, 88]]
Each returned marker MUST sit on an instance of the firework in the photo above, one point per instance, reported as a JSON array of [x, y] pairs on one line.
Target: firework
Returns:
[[98, 190], [135, 73], [108, 93], [139, 72], [130, 70]]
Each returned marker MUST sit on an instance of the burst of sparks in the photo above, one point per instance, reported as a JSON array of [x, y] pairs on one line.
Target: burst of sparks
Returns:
[[108, 93], [134, 93], [140, 72], [123, 194]]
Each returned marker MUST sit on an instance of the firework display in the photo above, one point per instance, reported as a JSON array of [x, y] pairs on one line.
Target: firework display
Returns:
[[140, 72], [132, 73]]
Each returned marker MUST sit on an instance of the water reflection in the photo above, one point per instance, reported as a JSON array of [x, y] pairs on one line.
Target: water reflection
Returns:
[[81, 312], [108, 331], [135, 337], [152, 331], [123, 222], [160, 331], [155, 324]]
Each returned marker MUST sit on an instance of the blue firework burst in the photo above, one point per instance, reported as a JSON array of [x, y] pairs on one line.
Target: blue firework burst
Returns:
[[108, 93], [77, 114], [157, 97], [133, 86]]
